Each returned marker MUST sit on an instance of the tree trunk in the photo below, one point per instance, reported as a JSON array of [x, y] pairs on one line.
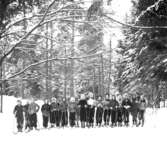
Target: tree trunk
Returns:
[[1, 99], [110, 65], [102, 76], [50, 64], [47, 65], [23, 63], [94, 82], [72, 60], [157, 95], [65, 77], [99, 86]]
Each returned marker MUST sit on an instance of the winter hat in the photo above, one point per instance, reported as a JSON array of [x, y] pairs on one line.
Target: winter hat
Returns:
[[54, 99], [82, 97], [72, 99], [90, 94]]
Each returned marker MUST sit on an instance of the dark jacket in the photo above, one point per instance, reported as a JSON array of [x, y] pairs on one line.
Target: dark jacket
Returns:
[[45, 110], [54, 106], [126, 102], [18, 111], [82, 104], [114, 103]]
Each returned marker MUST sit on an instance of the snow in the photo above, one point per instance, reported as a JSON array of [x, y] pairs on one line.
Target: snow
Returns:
[[147, 143]]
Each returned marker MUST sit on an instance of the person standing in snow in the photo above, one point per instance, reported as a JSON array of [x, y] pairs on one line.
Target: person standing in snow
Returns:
[[77, 113], [58, 113], [114, 105], [64, 113], [32, 110], [99, 111], [27, 117], [135, 108], [45, 113], [72, 111], [82, 105], [126, 104], [91, 106], [119, 111], [142, 108], [106, 107], [53, 112], [18, 112]]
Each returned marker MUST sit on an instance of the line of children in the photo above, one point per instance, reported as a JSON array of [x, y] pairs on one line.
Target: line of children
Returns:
[[85, 112]]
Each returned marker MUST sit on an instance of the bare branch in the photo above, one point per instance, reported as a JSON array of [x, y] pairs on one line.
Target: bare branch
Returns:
[[134, 26], [26, 35], [63, 8], [48, 60]]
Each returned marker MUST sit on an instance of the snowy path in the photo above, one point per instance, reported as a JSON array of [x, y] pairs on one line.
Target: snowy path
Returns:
[[137, 144]]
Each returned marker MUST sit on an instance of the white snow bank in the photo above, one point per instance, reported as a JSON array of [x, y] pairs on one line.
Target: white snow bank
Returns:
[[101, 144]]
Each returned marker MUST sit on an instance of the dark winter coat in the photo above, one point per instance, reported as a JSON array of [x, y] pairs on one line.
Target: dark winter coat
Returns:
[[126, 102], [18, 111], [142, 105], [107, 104], [45, 110], [54, 106], [114, 103]]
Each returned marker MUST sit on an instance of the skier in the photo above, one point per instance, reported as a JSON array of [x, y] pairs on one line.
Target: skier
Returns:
[[119, 111], [106, 110], [99, 111], [72, 111], [82, 105], [77, 114], [45, 113], [64, 113], [53, 108], [33, 110], [114, 105], [135, 108], [18, 112], [126, 104], [142, 109], [87, 110], [58, 113], [27, 116], [91, 109]]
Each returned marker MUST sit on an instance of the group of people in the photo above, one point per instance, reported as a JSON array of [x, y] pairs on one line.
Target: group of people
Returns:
[[83, 112]]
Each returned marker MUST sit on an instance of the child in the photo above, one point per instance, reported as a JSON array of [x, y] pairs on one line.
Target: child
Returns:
[[126, 104], [119, 111], [18, 112], [106, 107], [114, 105], [142, 108], [32, 110], [91, 110], [27, 117], [99, 111], [64, 113], [72, 110], [82, 105], [45, 113]]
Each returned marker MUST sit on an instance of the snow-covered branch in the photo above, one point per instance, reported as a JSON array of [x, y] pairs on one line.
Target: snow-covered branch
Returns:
[[132, 25], [49, 60], [27, 34]]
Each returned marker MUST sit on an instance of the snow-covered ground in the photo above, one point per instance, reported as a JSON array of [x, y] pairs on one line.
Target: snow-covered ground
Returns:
[[147, 143]]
